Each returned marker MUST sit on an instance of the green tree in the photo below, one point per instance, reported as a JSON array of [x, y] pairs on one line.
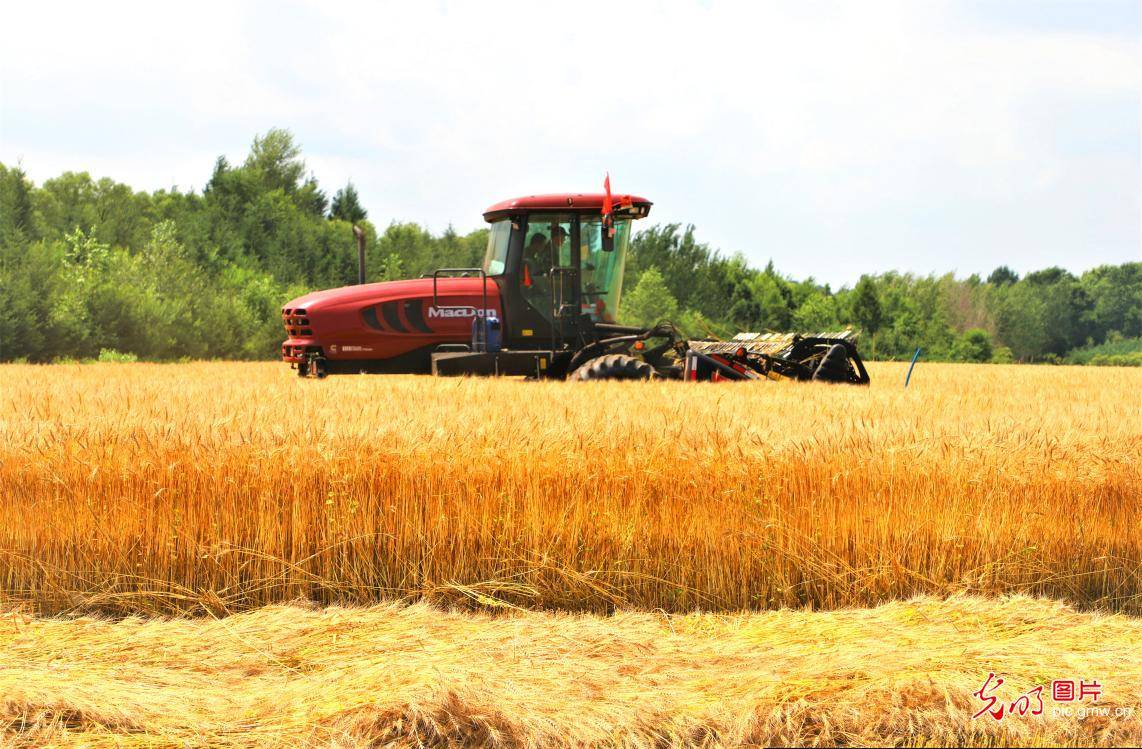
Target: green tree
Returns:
[[393, 268], [772, 299], [311, 199], [683, 262], [276, 160], [1002, 276], [1002, 355], [649, 302], [973, 346], [816, 314], [35, 320], [346, 205], [866, 308], [1116, 291], [1020, 315], [1064, 309], [15, 204], [696, 325]]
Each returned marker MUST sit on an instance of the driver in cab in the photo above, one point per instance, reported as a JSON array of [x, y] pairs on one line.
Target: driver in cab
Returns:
[[540, 255]]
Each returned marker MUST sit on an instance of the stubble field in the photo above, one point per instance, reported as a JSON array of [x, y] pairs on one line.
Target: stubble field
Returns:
[[218, 490]]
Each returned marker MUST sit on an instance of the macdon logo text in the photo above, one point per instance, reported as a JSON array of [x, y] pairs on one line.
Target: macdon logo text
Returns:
[[460, 312]]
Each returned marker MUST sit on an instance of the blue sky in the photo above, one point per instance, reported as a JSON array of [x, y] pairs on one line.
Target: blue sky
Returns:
[[833, 138]]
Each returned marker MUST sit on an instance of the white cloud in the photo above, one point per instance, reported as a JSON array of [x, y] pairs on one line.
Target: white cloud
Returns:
[[837, 139]]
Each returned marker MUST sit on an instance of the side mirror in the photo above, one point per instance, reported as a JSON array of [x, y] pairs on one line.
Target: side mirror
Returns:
[[608, 241]]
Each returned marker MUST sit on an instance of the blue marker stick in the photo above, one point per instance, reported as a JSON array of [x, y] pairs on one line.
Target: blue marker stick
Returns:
[[911, 366]]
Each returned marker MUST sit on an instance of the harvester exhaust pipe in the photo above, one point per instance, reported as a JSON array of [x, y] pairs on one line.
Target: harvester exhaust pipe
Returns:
[[360, 235]]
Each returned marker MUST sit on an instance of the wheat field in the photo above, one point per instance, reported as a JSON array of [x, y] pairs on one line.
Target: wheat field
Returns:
[[221, 487], [218, 554]]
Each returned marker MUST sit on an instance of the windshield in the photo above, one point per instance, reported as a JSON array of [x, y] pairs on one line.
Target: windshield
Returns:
[[602, 271], [495, 259]]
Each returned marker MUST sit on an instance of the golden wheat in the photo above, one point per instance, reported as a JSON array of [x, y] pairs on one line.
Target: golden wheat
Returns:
[[412, 676], [222, 487]]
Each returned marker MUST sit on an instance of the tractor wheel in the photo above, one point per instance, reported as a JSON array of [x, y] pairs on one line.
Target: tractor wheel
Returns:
[[834, 366], [613, 367]]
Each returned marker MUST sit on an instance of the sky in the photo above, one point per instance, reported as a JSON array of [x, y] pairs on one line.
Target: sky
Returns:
[[834, 139]]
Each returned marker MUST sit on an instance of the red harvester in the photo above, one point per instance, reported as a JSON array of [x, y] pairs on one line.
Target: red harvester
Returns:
[[543, 304]]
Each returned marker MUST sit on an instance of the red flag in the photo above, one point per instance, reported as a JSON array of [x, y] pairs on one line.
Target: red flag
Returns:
[[608, 207]]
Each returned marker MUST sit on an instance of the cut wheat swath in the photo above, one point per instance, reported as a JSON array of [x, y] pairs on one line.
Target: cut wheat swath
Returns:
[[390, 675]]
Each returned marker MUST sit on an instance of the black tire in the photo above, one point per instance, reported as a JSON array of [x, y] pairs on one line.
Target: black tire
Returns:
[[613, 367]]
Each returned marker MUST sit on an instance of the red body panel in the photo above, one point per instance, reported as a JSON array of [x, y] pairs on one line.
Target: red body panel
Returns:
[[384, 320]]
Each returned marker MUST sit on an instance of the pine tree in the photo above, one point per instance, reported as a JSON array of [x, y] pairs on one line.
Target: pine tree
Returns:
[[276, 159], [346, 205]]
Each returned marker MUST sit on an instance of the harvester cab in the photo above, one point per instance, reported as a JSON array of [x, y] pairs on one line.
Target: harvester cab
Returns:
[[558, 264], [543, 304]]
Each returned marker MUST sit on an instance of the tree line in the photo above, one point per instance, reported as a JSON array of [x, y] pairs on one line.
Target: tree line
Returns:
[[92, 268], [1049, 315]]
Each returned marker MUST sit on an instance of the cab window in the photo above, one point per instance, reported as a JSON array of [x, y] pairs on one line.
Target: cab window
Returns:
[[602, 271], [495, 259]]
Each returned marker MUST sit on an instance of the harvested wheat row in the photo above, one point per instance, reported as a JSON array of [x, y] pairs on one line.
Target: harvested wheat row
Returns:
[[391, 675]]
